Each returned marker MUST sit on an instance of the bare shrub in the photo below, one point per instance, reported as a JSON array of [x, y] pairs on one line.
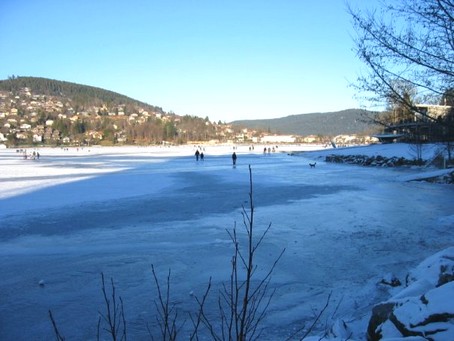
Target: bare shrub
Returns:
[[242, 303]]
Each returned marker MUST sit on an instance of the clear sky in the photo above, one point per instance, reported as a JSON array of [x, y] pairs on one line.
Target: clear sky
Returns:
[[228, 60]]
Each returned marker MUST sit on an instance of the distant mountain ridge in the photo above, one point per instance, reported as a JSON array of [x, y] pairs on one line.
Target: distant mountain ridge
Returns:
[[350, 121]]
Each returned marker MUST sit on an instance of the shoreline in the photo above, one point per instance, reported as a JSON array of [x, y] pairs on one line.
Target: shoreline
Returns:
[[180, 150]]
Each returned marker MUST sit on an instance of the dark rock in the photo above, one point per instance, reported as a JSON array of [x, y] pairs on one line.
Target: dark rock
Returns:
[[393, 282], [380, 314]]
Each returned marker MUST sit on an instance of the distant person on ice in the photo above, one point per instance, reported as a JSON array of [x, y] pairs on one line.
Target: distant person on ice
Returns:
[[234, 158], [197, 153]]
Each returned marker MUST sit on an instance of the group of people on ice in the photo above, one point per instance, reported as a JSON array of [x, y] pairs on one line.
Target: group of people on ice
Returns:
[[26, 156], [199, 155]]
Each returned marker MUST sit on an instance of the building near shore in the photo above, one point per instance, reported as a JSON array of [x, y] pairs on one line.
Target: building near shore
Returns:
[[278, 139]]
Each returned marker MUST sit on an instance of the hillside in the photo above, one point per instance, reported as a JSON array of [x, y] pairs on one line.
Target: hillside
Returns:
[[80, 95], [351, 121], [40, 111]]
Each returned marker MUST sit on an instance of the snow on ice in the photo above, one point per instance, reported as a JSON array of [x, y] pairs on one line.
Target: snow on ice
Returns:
[[75, 213]]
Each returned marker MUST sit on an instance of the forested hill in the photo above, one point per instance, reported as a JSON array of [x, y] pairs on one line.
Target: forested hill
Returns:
[[351, 121], [80, 95], [35, 111]]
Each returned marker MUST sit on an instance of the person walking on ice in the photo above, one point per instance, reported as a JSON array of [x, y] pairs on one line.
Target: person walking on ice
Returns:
[[234, 158]]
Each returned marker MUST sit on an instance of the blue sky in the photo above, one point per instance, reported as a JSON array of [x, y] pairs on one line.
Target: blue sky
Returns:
[[227, 60]]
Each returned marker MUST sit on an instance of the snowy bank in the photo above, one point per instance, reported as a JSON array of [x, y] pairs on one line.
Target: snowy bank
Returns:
[[424, 308]]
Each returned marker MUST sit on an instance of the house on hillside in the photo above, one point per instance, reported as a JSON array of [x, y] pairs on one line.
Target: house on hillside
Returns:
[[21, 136], [37, 138], [93, 134]]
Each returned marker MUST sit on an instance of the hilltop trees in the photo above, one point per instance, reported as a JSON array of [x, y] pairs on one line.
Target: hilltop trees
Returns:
[[80, 95]]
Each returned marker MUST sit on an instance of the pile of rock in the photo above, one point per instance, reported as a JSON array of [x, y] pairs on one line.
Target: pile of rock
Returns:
[[424, 309], [381, 161], [372, 161]]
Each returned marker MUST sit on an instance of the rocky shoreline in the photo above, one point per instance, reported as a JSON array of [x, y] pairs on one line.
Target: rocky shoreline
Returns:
[[372, 161], [420, 309], [381, 161]]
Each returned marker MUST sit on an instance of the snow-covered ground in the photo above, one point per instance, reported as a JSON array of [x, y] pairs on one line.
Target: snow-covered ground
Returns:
[[73, 214]]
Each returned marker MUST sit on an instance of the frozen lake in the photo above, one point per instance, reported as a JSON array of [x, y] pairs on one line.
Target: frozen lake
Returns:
[[71, 215]]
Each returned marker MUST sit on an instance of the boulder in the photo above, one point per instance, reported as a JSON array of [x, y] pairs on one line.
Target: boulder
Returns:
[[380, 314], [422, 310]]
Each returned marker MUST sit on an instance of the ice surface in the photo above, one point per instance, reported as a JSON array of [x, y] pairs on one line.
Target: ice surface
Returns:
[[73, 214]]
